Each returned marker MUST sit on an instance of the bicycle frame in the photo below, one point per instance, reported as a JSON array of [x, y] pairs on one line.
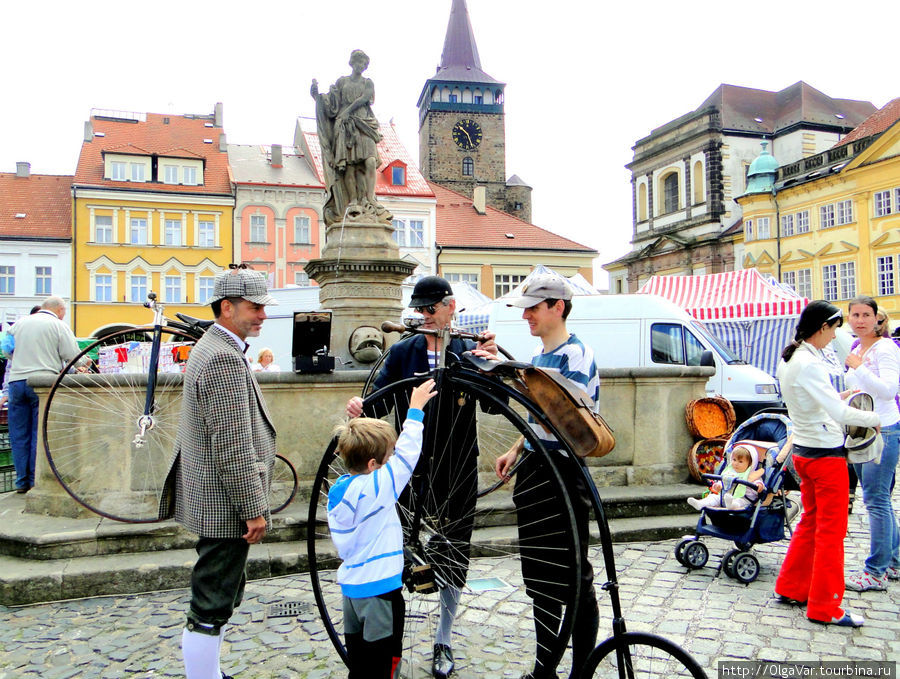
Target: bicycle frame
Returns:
[[145, 422]]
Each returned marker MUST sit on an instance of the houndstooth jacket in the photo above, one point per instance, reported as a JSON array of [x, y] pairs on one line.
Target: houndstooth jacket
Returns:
[[221, 468]]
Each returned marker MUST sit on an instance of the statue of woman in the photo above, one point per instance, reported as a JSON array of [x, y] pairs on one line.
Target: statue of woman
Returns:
[[348, 133]]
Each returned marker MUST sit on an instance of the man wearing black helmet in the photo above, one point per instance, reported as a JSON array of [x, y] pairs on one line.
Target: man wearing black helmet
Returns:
[[451, 477]]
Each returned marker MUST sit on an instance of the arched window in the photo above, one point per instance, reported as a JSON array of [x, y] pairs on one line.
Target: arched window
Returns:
[[445, 94], [670, 192], [642, 203], [467, 96], [468, 167], [488, 97], [697, 183], [435, 94]]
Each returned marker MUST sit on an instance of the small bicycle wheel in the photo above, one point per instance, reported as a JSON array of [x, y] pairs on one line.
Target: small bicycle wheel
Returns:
[[465, 533], [106, 454], [639, 655], [284, 484]]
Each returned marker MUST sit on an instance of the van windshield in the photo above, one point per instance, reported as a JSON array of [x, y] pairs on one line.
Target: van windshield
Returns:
[[723, 351]]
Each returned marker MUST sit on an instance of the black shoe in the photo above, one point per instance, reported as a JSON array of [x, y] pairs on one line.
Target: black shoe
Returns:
[[787, 601], [442, 664], [23, 489], [226, 676]]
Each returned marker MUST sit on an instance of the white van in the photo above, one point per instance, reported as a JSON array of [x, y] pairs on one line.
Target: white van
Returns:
[[632, 331]]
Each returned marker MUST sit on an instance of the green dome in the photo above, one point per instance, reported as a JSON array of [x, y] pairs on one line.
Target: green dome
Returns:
[[762, 173]]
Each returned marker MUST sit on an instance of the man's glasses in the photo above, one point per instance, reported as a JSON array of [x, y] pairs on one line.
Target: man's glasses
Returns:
[[238, 266], [431, 308]]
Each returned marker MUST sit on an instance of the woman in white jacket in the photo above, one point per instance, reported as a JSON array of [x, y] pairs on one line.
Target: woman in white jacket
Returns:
[[813, 569], [874, 367]]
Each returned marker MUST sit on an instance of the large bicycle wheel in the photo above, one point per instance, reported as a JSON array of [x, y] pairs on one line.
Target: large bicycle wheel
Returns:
[[463, 531], [639, 655], [105, 453], [284, 484]]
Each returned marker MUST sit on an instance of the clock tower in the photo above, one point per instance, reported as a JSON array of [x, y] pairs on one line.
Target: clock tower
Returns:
[[462, 137]]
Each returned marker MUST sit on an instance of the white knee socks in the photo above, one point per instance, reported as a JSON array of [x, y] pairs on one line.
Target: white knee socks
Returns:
[[449, 601], [201, 654]]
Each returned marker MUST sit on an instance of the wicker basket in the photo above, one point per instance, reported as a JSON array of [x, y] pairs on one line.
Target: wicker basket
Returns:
[[705, 457], [710, 417]]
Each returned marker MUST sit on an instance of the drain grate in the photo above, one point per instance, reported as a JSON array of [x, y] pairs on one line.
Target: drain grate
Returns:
[[288, 609]]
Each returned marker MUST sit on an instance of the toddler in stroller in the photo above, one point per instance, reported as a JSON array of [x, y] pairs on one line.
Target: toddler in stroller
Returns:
[[755, 520], [727, 491]]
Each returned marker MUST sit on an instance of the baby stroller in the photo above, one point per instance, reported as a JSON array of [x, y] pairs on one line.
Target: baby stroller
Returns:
[[765, 519]]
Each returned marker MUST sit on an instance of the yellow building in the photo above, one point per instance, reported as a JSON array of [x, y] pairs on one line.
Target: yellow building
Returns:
[[828, 225], [153, 210]]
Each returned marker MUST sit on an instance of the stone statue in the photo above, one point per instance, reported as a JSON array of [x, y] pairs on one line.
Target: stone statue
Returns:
[[348, 133]]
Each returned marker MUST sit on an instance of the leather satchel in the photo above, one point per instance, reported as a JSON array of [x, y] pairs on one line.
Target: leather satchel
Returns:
[[569, 409]]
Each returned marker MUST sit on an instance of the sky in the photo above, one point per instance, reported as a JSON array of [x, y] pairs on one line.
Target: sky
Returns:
[[585, 80]]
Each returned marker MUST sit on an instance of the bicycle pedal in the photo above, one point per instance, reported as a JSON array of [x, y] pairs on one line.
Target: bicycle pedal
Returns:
[[421, 580]]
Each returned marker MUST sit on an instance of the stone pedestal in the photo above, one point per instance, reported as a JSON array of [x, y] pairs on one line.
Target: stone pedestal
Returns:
[[360, 275]]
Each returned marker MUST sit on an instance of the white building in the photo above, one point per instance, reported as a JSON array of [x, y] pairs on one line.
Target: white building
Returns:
[[35, 240]]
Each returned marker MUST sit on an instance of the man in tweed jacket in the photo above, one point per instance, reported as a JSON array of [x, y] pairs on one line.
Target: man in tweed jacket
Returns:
[[222, 466]]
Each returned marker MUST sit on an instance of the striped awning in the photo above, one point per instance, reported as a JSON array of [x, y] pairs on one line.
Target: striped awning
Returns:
[[727, 296]]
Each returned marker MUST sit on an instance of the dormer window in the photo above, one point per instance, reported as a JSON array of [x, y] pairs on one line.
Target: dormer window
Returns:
[[398, 175], [190, 175], [137, 172], [170, 174], [117, 171]]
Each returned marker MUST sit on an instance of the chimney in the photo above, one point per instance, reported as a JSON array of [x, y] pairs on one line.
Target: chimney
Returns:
[[223, 143], [23, 170], [218, 115], [276, 156], [88, 130], [479, 199]]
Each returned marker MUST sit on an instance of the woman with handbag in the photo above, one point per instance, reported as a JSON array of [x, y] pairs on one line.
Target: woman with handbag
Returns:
[[874, 368], [813, 569]]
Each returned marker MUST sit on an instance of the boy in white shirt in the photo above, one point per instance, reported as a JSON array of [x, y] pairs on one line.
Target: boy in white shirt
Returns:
[[365, 528]]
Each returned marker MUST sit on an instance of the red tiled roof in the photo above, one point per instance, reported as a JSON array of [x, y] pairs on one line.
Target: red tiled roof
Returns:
[[181, 136], [459, 225], [876, 123], [390, 149], [44, 199]]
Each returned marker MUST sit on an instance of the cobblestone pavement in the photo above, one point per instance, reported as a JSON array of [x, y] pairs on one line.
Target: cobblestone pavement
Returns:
[[714, 617]]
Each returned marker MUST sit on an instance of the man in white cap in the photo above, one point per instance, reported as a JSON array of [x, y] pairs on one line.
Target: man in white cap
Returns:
[[218, 482], [546, 301]]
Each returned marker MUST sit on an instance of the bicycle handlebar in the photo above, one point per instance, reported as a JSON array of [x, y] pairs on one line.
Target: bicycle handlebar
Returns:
[[388, 326]]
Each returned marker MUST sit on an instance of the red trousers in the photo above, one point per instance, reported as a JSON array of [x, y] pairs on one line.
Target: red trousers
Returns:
[[813, 569]]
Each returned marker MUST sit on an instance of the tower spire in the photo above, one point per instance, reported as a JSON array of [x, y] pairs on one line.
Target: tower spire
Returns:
[[459, 44]]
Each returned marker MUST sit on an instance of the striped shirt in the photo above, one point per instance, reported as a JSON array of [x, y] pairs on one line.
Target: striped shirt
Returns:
[[574, 361], [362, 518]]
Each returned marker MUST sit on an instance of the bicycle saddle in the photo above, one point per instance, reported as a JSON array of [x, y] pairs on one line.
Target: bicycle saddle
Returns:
[[501, 367], [195, 322]]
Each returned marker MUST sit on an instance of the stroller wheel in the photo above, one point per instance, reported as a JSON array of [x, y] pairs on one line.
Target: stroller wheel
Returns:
[[679, 549], [728, 562], [695, 554], [745, 567]]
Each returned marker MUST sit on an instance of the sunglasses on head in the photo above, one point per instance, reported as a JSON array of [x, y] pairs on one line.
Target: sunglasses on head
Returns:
[[836, 316], [430, 308]]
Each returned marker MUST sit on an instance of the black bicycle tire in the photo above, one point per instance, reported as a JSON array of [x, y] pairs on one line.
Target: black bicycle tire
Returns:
[[48, 419], [318, 562], [640, 639], [292, 472]]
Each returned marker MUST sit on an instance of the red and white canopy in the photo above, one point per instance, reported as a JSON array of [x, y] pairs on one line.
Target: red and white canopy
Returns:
[[729, 295]]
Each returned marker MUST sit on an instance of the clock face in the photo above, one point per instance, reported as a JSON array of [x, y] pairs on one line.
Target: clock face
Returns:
[[467, 134]]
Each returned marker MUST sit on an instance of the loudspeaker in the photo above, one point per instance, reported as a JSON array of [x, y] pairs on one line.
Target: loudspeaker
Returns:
[[310, 341]]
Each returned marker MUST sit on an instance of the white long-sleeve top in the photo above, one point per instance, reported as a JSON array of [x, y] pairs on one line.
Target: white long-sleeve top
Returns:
[[362, 517], [814, 406], [879, 376]]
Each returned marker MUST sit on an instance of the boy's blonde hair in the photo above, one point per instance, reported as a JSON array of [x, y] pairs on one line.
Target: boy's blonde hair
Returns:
[[742, 451], [363, 439]]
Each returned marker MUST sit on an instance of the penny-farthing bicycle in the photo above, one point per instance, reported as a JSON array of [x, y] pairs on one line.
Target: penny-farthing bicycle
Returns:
[[109, 437], [475, 418]]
